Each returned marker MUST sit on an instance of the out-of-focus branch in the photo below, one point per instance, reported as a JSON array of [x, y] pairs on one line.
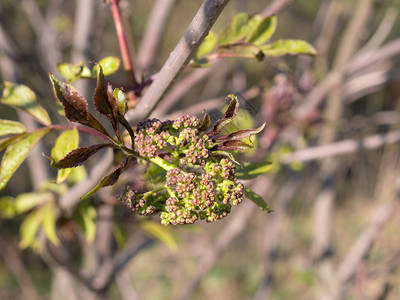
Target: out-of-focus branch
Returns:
[[215, 103], [194, 35], [177, 92], [50, 52], [362, 246], [154, 32], [17, 268], [275, 7], [342, 147], [272, 233]]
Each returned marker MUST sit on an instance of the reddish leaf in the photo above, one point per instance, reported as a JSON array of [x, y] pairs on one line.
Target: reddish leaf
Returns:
[[111, 178], [238, 135], [233, 145], [104, 100], [78, 156], [204, 123], [227, 118], [75, 106]]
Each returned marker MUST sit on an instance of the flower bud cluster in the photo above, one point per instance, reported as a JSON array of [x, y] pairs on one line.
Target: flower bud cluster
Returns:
[[199, 185]]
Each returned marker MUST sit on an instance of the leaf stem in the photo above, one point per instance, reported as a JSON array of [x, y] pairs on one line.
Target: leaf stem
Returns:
[[162, 163], [123, 44]]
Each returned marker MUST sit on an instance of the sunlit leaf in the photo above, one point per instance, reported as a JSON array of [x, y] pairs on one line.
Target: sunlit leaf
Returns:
[[72, 72], [121, 100], [27, 201], [257, 199], [110, 179], [284, 47], [16, 154], [65, 143], [10, 127], [162, 233], [263, 31], [208, 44], [110, 65], [49, 222], [8, 141], [252, 170], [30, 227], [236, 31], [22, 97], [78, 156], [75, 106]]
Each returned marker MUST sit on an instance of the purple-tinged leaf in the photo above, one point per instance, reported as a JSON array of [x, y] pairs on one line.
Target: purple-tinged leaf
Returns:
[[111, 178], [257, 199], [227, 118], [238, 135], [233, 145], [205, 123], [78, 156], [104, 102], [16, 153], [75, 106]]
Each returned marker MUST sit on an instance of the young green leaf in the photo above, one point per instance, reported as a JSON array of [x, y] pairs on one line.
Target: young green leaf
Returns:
[[75, 106], [257, 199], [253, 170], [7, 208], [22, 97], [86, 219], [49, 222], [30, 227], [284, 47], [10, 127], [65, 143], [8, 141], [263, 31], [208, 44], [27, 201], [78, 156], [16, 154], [72, 72], [121, 100], [162, 233], [110, 65], [236, 31], [111, 178]]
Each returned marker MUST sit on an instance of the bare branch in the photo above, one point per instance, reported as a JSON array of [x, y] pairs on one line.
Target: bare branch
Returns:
[[153, 34], [342, 147], [194, 35]]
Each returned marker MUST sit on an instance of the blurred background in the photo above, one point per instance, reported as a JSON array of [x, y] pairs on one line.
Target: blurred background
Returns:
[[332, 137]]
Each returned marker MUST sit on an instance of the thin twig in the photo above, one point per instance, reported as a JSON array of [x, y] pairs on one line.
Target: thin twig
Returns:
[[187, 46], [123, 44], [275, 7]]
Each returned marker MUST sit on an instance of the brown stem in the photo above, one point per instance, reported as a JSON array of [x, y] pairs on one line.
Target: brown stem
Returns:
[[123, 43]]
